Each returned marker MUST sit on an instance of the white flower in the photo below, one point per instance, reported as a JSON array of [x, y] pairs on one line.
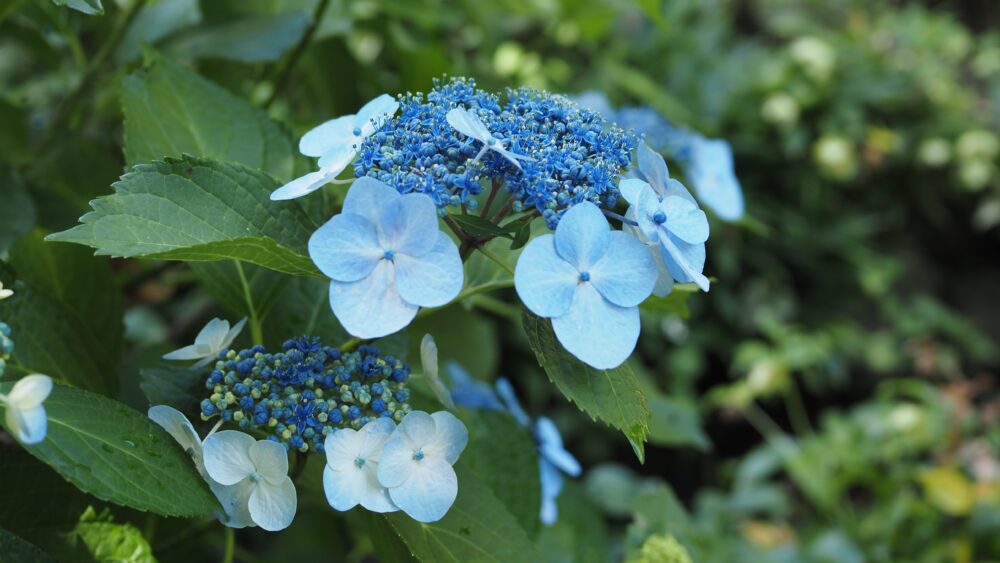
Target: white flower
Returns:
[[231, 497], [469, 124], [210, 342], [336, 143], [5, 293], [429, 361], [259, 469], [416, 464], [26, 418], [351, 474]]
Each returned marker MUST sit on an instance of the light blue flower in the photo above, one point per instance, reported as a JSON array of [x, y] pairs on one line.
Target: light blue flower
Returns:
[[350, 477], [589, 281], [553, 459], [215, 337], [469, 124], [710, 168], [386, 258], [469, 392], [416, 464], [336, 143], [26, 419]]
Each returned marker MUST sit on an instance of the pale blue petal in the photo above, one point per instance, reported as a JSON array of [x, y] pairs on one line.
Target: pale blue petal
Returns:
[[190, 352], [543, 280], [375, 113], [551, 481], [357, 485], [429, 490], [301, 186], [409, 225], [346, 248], [626, 274], [506, 392], [468, 392], [675, 188], [600, 334], [31, 426], [396, 462], [684, 261], [232, 334], [271, 460], [30, 391], [179, 428], [371, 307], [227, 456], [468, 124], [631, 189], [714, 178], [685, 220], [644, 210], [664, 281], [583, 235], [511, 157], [235, 499], [652, 167], [450, 437], [433, 279], [330, 134], [551, 447], [367, 197], [273, 506], [335, 160]]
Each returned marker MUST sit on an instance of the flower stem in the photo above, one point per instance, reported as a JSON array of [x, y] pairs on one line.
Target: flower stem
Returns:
[[300, 465], [349, 345], [256, 331], [229, 546], [489, 200]]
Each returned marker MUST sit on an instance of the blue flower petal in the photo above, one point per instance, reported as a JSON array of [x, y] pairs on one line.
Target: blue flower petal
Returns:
[[685, 220], [543, 280], [409, 225], [301, 186], [450, 437], [712, 173], [374, 113], [367, 197], [583, 235], [433, 279], [551, 481], [371, 307], [429, 491], [330, 134], [599, 333], [631, 189], [468, 392], [684, 261], [468, 124], [346, 248], [652, 167], [273, 506], [335, 160], [551, 447], [625, 275], [506, 392]]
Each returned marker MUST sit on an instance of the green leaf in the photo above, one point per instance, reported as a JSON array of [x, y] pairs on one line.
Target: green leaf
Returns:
[[14, 548], [155, 22], [223, 280], [478, 227], [613, 396], [181, 388], [675, 422], [248, 40], [477, 528], [197, 210], [89, 7], [579, 535], [34, 499], [117, 454], [171, 111], [17, 214], [108, 541], [52, 338], [674, 303], [305, 309], [503, 454]]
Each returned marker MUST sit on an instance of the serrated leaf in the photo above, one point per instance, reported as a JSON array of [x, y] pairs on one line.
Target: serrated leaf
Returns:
[[477, 528], [172, 111], [613, 396], [248, 40], [89, 7], [117, 454], [197, 210], [14, 548]]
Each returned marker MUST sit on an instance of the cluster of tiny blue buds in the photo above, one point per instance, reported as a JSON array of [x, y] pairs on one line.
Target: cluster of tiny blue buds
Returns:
[[300, 395], [6, 346], [574, 155]]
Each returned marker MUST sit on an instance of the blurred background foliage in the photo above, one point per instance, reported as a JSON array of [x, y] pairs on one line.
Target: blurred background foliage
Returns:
[[833, 398]]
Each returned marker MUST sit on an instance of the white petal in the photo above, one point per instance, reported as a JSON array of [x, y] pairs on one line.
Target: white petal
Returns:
[[30, 391], [227, 456], [29, 426], [429, 491], [213, 335], [271, 460], [273, 506], [179, 428], [191, 352], [303, 185], [232, 334], [335, 160], [468, 124], [235, 500], [375, 113], [371, 307], [323, 137], [429, 356], [342, 448], [599, 333], [450, 437]]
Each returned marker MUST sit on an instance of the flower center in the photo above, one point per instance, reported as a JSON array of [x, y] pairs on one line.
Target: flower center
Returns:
[[254, 477], [584, 276], [360, 462], [659, 217], [389, 255], [357, 131], [418, 455]]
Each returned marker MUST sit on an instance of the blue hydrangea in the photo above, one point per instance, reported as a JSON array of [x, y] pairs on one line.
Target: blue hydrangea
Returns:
[[6, 346], [300, 395]]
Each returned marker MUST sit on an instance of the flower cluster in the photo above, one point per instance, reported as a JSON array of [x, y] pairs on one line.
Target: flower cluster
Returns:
[[302, 394]]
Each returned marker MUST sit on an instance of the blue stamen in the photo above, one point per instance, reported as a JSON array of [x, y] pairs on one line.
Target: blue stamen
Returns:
[[584, 276], [389, 255], [418, 455], [659, 217]]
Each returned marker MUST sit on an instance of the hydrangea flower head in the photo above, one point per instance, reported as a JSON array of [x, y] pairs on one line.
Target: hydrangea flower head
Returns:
[[210, 342], [26, 419], [259, 471], [336, 143], [386, 258], [350, 477], [416, 464], [236, 515], [589, 281]]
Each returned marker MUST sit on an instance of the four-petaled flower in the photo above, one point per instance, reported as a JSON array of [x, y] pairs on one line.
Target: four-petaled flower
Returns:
[[710, 168], [26, 419], [350, 477], [469, 124], [336, 143], [416, 464], [668, 220], [589, 280], [210, 342], [386, 258], [259, 469], [232, 497], [5, 293]]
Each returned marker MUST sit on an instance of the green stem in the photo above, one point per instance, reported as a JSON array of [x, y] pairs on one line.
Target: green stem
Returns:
[[230, 546], [489, 200], [497, 307], [797, 410], [469, 292], [256, 331], [285, 70], [349, 345], [492, 256]]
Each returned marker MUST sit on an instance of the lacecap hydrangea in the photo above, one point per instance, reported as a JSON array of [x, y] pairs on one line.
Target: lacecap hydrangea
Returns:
[[571, 153], [300, 395]]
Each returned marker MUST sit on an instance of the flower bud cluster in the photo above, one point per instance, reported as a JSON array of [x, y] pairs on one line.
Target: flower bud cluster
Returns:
[[300, 395]]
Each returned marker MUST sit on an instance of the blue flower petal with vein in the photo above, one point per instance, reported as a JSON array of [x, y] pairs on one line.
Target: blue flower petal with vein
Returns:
[[300, 395]]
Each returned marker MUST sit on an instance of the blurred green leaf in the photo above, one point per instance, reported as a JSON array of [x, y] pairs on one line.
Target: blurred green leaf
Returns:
[[304, 309], [14, 548], [579, 535], [17, 214], [35, 499], [89, 7], [614, 396], [197, 210], [248, 40], [180, 387], [224, 281], [155, 22], [108, 541]]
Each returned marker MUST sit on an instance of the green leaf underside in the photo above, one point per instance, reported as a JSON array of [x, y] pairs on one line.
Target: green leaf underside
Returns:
[[197, 210], [179, 387], [172, 111], [614, 396], [14, 548], [117, 454], [477, 528]]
